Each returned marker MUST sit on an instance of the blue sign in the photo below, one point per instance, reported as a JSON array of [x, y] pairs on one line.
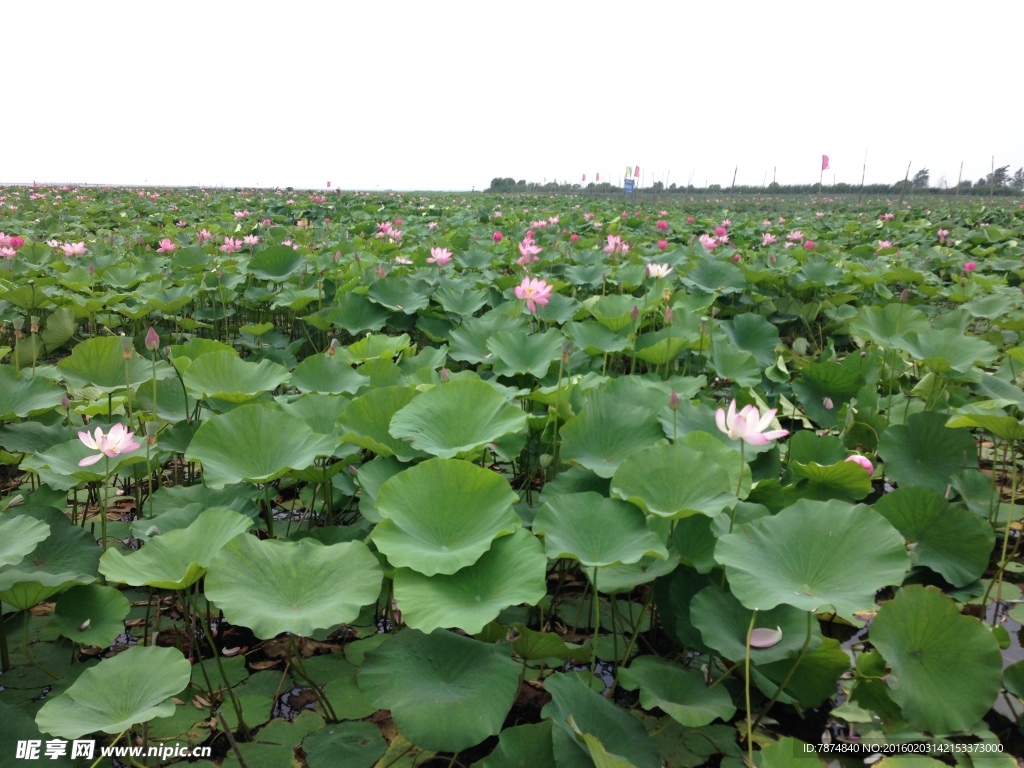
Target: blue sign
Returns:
[[627, 186]]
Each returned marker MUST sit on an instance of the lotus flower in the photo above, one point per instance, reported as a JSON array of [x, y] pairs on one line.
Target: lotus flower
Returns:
[[439, 256], [862, 461], [748, 425], [534, 291], [117, 441], [166, 246], [658, 270]]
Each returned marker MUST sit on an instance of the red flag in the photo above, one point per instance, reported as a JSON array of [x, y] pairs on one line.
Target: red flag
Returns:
[[584, 177], [636, 171], [824, 162], [599, 177]]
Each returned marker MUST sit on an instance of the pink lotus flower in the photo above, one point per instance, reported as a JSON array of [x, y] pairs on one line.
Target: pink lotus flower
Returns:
[[534, 291], [497, 236], [887, 217], [573, 237], [74, 249], [528, 251], [970, 266], [432, 225], [820, 214], [689, 219], [766, 223], [662, 245], [658, 270], [152, 339], [117, 441], [882, 244], [795, 236], [241, 214], [439, 256], [231, 245], [708, 242], [7, 252], [862, 461], [204, 235], [250, 240], [748, 425], [166, 246], [16, 242], [662, 224], [810, 245], [943, 234], [768, 239], [616, 245], [721, 232]]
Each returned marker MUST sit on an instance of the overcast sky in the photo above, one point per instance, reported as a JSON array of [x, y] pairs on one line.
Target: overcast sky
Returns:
[[447, 95]]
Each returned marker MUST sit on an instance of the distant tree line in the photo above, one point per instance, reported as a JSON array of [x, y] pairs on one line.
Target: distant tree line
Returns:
[[999, 182]]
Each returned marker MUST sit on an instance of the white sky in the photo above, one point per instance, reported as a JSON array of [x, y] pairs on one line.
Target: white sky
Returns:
[[447, 95]]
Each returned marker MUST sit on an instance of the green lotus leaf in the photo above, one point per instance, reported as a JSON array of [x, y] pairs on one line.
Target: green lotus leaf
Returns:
[[511, 572], [366, 420], [812, 682], [716, 277], [625, 577], [225, 376], [946, 667], [67, 556], [327, 375], [354, 313], [605, 432], [521, 746], [19, 536], [177, 558], [614, 311], [591, 713], [529, 353], [953, 542], [22, 395], [681, 693], [457, 417], [886, 324], [273, 441], [418, 676], [814, 556], [596, 531], [948, 350], [442, 515], [282, 586], [353, 745], [651, 478], [99, 362], [276, 262], [400, 294], [925, 452], [990, 416], [723, 623], [594, 338], [755, 334], [91, 614], [823, 383], [376, 346], [735, 364], [133, 687], [843, 480], [460, 299]]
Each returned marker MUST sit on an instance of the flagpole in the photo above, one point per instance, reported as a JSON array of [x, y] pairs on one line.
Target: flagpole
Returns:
[[863, 173], [775, 168], [732, 189], [902, 193]]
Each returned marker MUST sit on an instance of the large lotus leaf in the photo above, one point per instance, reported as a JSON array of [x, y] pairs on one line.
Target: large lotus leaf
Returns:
[[67, 556], [946, 667], [21, 395], [511, 572], [522, 746], [283, 586], [605, 432], [178, 558], [594, 339], [530, 353], [460, 298], [596, 531], [716, 277], [884, 325], [925, 452], [622, 577], [366, 419], [659, 347], [225, 376], [614, 311], [99, 362], [953, 542], [735, 364], [457, 417], [591, 713], [947, 350], [843, 480], [442, 515], [812, 682], [375, 346], [446, 692], [989, 416], [19, 536], [91, 614], [723, 623], [327, 375], [253, 443], [354, 313], [132, 687], [352, 745], [277, 263], [823, 383], [814, 556], [755, 334], [652, 479], [400, 294], [680, 693]]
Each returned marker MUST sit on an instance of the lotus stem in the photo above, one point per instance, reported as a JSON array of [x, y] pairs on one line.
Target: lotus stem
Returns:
[[746, 691], [792, 669]]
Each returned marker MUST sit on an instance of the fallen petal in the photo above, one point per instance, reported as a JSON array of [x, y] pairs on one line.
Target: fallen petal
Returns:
[[765, 638]]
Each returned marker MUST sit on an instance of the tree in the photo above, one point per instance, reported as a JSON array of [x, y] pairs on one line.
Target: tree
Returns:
[[1000, 177], [1017, 182], [920, 180]]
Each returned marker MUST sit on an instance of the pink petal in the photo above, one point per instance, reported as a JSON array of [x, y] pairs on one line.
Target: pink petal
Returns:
[[765, 638], [90, 460]]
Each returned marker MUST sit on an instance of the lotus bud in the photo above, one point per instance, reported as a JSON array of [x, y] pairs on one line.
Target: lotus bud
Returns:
[[904, 295], [545, 460], [381, 271], [152, 339], [444, 375], [92, 269], [862, 461], [65, 403], [668, 315], [827, 403], [333, 348], [634, 313], [673, 400]]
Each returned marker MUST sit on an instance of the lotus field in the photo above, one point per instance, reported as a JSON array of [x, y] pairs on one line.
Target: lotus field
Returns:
[[399, 480]]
